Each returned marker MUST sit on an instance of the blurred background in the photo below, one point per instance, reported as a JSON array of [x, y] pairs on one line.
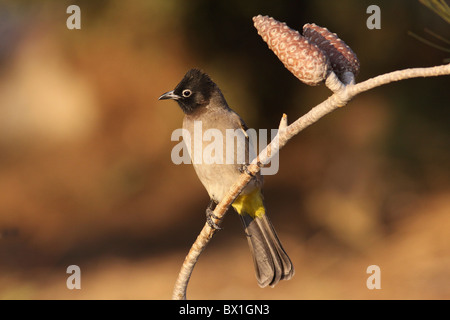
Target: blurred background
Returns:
[[86, 176]]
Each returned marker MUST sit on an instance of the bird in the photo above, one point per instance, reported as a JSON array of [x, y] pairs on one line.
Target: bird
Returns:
[[201, 101]]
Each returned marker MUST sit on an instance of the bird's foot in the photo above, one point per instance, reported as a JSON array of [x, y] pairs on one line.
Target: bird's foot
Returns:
[[209, 219], [244, 168]]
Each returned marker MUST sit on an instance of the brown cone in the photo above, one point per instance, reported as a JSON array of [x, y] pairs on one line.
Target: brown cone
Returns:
[[342, 58], [304, 59]]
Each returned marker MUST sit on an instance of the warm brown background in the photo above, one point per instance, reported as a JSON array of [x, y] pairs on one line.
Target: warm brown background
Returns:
[[86, 176]]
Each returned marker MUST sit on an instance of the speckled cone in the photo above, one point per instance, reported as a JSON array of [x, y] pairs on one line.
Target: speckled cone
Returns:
[[341, 57], [304, 59]]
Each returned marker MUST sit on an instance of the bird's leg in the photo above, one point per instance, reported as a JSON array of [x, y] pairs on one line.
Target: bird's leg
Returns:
[[210, 213]]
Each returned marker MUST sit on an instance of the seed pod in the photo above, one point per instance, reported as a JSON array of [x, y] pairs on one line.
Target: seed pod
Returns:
[[341, 57], [304, 59]]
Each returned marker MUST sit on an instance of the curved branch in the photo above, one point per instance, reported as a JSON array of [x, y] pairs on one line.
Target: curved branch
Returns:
[[342, 95]]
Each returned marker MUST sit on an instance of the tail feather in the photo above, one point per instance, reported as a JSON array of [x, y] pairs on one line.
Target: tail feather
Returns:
[[272, 264]]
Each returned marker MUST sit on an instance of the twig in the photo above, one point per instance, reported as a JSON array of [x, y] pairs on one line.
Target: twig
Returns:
[[427, 42], [438, 6], [342, 95]]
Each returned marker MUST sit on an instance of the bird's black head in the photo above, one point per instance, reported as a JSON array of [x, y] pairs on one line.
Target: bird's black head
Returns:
[[194, 91]]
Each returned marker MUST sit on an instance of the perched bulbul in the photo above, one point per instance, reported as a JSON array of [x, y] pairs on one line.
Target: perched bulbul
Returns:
[[201, 100]]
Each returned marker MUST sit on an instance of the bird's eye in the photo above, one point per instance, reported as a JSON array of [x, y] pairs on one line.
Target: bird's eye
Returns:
[[186, 93]]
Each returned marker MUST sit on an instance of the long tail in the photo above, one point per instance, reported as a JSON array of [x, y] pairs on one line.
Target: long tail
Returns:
[[272, 264]]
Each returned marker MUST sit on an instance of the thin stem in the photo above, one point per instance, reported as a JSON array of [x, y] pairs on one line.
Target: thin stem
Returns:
[[437, 36], [427, 42]]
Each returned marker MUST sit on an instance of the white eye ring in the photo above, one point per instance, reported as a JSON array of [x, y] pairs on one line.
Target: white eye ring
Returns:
[[186, 93]]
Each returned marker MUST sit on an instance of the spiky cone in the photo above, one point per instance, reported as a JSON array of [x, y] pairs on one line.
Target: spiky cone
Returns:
[[303, 59], [340, 55]]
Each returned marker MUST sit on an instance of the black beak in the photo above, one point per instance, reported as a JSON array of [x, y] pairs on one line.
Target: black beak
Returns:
[[169, 95]]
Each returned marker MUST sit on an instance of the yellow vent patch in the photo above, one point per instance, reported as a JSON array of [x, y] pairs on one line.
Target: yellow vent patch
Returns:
[[251, 204]]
